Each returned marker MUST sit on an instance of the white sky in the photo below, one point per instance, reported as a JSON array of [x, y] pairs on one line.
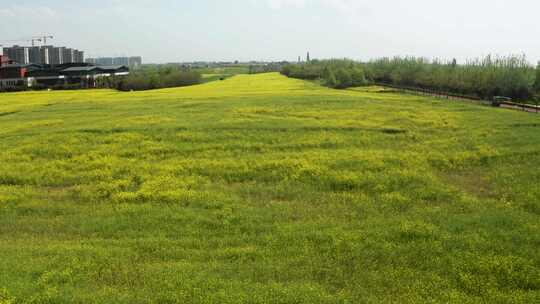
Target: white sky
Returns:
[[187, 30]]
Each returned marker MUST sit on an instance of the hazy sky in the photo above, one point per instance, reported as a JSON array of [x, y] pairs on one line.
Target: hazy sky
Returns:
[[186, 30]]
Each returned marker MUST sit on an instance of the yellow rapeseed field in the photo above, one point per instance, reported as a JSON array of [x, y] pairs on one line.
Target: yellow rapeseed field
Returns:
[[264, 189]]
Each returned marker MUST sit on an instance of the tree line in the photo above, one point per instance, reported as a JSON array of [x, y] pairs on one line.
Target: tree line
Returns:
[[510, 76], [334, 73], [157, 77], [537, 82]]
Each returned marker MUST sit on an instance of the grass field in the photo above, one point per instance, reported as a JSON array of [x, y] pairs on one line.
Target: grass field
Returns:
[[214, 74], [263, 189]]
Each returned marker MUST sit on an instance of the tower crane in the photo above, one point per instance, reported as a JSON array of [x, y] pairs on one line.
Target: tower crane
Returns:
[[34, 41], [43, 38]]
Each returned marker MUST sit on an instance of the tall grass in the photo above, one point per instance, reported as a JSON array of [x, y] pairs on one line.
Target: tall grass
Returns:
[[511, 76]]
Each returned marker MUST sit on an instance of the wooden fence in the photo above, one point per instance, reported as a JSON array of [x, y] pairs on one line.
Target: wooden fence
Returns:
[[448, 95]]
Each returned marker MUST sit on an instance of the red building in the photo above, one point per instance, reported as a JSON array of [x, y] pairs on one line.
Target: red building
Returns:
[[13, 71], [4, 60]]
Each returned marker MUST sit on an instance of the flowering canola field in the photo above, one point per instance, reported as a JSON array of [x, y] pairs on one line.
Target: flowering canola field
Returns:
[[263, 189]]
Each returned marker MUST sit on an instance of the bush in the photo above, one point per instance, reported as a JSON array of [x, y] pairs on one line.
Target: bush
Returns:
[[38, 87], [164, 77], [537, 80], [13, 89], [68, 86], [266, 68], [335, 73]]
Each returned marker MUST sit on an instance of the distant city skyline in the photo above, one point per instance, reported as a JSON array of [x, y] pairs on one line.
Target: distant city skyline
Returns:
[[272, 30], [132, 61], [46, 54]]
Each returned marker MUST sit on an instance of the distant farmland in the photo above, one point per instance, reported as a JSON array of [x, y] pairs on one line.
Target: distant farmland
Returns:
[[265, 189]]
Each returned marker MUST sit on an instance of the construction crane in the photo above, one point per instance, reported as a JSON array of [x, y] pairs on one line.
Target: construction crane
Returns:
[[34, 41], [43, 38]]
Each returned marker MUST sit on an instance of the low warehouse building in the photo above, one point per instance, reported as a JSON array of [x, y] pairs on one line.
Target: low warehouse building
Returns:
[[22, 76]]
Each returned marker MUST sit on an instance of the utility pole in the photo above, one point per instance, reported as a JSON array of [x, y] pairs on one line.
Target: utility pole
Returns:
[[307, 58]]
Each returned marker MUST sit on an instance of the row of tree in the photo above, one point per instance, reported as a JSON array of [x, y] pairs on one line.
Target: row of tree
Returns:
[[537, 82], [266, 68], [157, 77], [510, 76], [335, 73]]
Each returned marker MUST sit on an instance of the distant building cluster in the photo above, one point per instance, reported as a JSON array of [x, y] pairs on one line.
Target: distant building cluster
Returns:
[[20, 76], [133, 61], [49, 66], [46, 54]]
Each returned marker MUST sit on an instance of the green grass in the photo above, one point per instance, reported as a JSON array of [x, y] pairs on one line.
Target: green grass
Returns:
[[214, 77], [263, 189], [214, 74]]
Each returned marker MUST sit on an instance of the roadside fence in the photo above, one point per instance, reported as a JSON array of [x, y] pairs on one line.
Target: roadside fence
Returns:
[[448, 95]]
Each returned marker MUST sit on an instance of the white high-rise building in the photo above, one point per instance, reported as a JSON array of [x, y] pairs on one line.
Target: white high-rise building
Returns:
[[46, 54]]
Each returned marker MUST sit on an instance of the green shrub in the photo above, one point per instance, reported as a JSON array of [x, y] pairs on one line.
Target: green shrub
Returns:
[[335, 73], [165, 77], [67, 86], [537, 80]]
